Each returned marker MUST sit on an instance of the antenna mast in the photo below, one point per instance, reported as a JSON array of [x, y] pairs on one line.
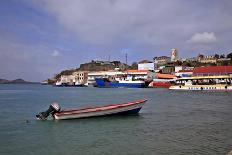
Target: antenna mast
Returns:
[[126, 58], [126, 61]]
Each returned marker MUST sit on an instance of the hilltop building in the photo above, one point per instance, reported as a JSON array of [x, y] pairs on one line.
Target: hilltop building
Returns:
[[162, 60], [207, 59], [174, 55], [193, 59]]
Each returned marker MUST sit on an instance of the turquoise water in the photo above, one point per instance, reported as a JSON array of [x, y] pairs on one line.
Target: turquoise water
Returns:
[[172, 122]]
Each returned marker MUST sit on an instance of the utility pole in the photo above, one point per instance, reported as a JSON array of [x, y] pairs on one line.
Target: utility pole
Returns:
[[126, 61]]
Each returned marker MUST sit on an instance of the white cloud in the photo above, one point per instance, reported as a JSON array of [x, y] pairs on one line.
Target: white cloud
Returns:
[[55, 53], [204, 37], [105, 22], [140, 22]]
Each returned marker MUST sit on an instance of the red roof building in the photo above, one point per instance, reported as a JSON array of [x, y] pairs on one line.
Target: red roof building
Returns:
[[212, 70], [165, 76]]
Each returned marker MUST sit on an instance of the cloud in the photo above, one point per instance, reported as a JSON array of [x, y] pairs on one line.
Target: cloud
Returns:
[[112, 22], [55, 53], [204, 37], [82, 30], [143, 24]]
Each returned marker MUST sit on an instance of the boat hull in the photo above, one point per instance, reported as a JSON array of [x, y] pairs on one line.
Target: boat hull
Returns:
[[160, 84], [66, 85], [219, 87], [116, 109], [101, 83]]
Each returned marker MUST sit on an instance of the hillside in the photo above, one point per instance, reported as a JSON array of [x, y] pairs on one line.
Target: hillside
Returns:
[[16, 81], [96, 66], [4, 81]]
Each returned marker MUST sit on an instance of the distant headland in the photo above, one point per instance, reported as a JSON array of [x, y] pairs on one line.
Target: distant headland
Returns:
[[16, 81]]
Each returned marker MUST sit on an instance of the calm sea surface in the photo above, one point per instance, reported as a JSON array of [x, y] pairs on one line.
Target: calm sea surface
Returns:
[[171, 123]]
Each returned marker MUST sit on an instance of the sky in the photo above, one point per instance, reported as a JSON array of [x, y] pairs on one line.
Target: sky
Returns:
[[40, 38]]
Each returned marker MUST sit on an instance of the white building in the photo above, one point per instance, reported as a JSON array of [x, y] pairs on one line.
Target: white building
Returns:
[[80, 77], [174, 55], [140, 74], [178, 68], [146, 65], [76, 77], [100, 74], [67, 79]]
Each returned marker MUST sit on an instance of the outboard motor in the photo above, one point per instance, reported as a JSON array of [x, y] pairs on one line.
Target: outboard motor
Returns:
[[53, 108]]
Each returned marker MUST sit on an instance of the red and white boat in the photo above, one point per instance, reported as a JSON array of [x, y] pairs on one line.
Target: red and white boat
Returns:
[[163, 81], [112, 109]]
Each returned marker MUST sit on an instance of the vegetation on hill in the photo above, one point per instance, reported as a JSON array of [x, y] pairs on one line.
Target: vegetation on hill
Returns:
[[16, 81], [97, 66]]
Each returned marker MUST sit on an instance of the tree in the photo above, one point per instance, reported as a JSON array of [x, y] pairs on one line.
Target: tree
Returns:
[[186, 63], [222, 56], [229, 55], [216, 56], [134, 65]]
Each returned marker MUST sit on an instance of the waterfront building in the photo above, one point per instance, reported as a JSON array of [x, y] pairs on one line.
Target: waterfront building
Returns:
[[146, 65], [67, 79], [212, 70], [140, 74], [206, 78], [80, 77], [76, 78]]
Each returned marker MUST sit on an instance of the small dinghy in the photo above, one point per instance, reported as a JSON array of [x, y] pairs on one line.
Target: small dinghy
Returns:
[[112, 109]]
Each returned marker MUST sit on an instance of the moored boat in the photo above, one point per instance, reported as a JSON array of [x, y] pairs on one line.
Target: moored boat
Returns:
[[112, 109], [163, 81], [60, 84], [216, 82], [106, 83], [74, 84]]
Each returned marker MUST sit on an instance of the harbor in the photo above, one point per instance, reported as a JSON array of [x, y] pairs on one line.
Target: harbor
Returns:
[[115, 77], [171, 122], [198, 78], [212, 71]]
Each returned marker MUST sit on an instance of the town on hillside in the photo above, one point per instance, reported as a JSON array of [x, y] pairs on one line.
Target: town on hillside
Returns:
[[161, 67]]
